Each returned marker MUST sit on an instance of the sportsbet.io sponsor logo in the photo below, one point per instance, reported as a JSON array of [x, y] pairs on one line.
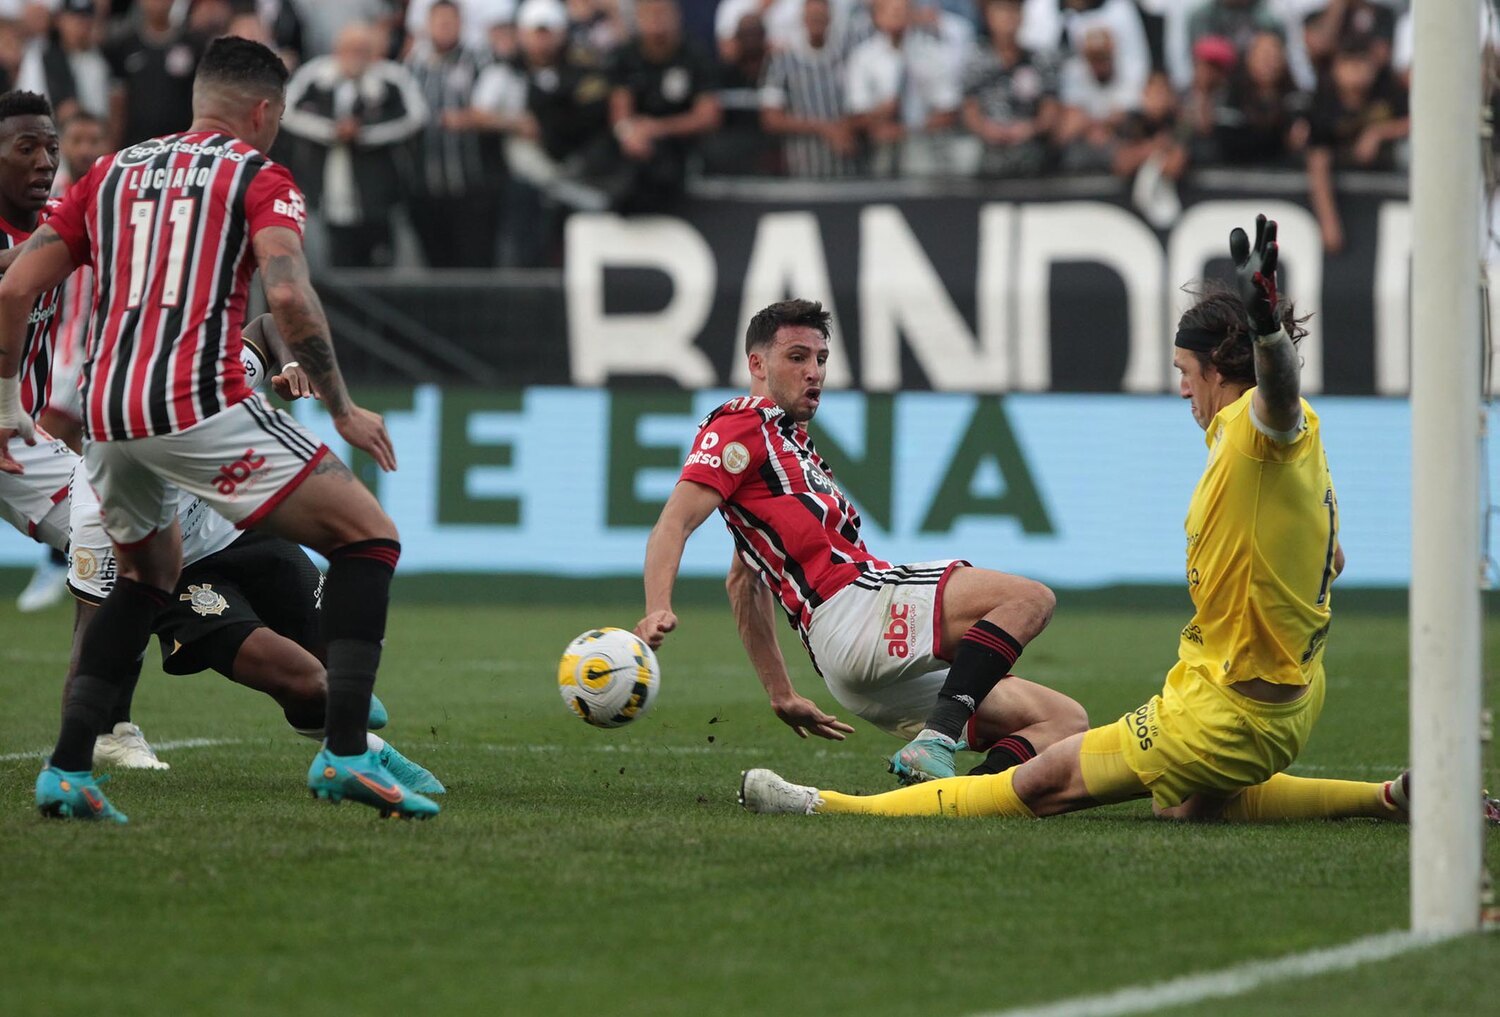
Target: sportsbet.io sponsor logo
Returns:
[[148, 150]]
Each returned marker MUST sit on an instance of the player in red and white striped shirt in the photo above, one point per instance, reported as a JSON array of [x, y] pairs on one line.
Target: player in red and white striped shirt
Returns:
[[175, 227], [32, 494], [919, 650], [80, 143]]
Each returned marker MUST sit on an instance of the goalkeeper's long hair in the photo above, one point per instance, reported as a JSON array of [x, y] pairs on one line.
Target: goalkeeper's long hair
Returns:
[[1217, 308]]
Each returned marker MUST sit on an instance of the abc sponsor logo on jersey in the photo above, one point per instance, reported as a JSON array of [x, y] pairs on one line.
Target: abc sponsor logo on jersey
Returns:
[[240, 473], [735, 458], [897, 632]]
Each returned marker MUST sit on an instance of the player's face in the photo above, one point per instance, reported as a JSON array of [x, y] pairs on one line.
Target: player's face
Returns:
[[792, 370], [1198, 382], [28, 161]]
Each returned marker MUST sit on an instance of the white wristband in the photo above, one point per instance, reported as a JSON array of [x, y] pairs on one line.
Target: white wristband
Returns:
[[290, 363], [10, 401]]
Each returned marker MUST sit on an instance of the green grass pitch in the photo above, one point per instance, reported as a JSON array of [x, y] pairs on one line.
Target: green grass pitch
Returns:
[[577, 871]]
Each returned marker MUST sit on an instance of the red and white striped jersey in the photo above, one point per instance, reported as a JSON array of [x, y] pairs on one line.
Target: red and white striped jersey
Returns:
[[77, 303], [789, 520], [73, 320], [167, 226], [41, 330]]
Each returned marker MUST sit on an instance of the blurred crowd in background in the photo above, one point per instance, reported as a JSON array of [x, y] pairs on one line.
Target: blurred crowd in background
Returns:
[[470, 113]]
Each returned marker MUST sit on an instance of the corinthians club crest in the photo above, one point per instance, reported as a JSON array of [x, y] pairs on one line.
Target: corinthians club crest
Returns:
[[203, 600]]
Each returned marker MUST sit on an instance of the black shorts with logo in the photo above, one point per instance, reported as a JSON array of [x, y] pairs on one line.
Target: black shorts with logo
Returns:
[[259, 580]]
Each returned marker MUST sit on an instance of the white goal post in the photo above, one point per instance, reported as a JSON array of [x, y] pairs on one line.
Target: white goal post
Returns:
[[1446, 825]]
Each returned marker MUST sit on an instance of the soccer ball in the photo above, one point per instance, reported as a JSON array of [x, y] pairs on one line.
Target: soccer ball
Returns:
[[609, 677]]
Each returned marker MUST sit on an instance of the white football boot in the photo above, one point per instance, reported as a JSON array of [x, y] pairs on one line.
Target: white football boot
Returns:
[[125, 747], [768, 792], [48, 585]]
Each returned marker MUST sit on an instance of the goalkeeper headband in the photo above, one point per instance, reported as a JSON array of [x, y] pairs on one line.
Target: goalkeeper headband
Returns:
[[1199, 340]]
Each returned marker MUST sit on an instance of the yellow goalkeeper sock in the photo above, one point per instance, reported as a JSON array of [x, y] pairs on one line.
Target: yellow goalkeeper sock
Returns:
[[957, 797], [1287, 797]]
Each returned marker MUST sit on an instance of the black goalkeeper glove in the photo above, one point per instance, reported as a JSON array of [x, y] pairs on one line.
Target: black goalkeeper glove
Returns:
[[1255, 274]]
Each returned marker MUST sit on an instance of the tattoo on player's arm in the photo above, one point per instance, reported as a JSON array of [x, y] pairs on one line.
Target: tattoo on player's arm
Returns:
[[306, 330], [41, 238], [1278, 372]]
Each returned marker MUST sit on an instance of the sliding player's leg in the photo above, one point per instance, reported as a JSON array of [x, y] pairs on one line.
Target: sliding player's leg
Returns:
[[1078, 772], [1018, 720], [986, 619]]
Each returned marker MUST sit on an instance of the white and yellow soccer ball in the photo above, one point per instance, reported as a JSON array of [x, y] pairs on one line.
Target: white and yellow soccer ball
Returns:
[[609, 677]]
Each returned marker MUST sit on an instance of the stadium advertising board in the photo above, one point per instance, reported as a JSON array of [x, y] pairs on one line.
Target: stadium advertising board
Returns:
[[1034, 293], [1078, 490]]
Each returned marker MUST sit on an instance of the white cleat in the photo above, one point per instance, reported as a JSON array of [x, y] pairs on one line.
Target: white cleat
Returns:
[[1398, 793], [126, 748], [1398, 797], [767, 791], [48, 585]]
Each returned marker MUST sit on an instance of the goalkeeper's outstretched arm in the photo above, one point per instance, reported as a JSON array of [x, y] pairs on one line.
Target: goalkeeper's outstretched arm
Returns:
[[1278, 381]]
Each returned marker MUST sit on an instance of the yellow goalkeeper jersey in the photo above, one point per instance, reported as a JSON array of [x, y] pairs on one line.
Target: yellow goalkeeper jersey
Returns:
[[1262, 530]]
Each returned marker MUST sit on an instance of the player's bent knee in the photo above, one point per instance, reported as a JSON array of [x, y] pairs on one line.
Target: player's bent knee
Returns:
[[1073, 717], [1042, 601]]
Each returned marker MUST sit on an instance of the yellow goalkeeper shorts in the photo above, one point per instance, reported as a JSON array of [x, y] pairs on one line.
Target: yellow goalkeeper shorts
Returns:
[[1201, 737]]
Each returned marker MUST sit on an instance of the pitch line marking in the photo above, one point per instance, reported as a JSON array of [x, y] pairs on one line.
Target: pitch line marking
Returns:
[[1232, 981], [168, 746]]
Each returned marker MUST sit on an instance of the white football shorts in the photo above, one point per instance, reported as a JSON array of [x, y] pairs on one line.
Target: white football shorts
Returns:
[[91, 556], [36, 502], [877, 644], [66, 397], [242, 461]]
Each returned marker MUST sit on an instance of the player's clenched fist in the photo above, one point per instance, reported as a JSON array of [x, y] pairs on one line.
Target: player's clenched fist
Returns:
[[654, 627]]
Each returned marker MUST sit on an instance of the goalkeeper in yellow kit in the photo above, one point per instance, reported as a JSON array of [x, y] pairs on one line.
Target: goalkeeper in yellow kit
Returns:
[[1262, 553]]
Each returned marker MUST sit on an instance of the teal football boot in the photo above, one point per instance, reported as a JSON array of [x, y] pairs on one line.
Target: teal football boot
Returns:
[[68, 794], [414, 775], [364, 779], [928, 756], [379, 718]]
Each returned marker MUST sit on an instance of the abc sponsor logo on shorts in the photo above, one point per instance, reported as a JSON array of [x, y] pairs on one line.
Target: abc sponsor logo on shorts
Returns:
[[896, 632], [238, 473]]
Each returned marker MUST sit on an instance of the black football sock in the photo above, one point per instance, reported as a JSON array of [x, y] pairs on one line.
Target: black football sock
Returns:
[[121, 712], [355, 598], [985, 655], [1012, 750], [112, 648]]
